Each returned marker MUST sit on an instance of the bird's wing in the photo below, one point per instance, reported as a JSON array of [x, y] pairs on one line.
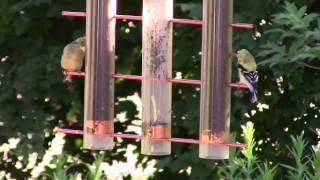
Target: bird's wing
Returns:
[[252, 80], [251, 76]]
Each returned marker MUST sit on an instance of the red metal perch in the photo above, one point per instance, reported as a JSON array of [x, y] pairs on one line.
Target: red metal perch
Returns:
[[176, 21], [242, 25], [186, 21], [128, 17], [73, 14], [134, 136], [139, 78]]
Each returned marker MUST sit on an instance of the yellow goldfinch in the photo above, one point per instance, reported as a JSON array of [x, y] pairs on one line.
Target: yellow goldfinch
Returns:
[[73, 56], [248, 73]]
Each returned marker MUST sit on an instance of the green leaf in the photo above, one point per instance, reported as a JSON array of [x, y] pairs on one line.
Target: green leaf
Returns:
[[267, 173]]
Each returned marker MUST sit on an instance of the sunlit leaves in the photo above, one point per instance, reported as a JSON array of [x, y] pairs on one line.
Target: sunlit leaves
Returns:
[[296, 37]]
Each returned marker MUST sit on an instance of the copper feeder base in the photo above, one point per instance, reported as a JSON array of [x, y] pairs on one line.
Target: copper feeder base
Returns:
[[208, 137], [159, 131], [98, 127]]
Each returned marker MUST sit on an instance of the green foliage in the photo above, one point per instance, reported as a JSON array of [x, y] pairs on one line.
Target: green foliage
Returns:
[[300, 171], [249, 140], [63, 170], [316, 165], [249, 166], [193, 9], [95, 172], [250, 159], [242, 164], [267, 172], [295, 37], [59, 172]]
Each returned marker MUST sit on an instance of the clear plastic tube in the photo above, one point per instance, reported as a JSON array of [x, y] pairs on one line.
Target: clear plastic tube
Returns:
[[156, 64], [99, 84], [215, 77]]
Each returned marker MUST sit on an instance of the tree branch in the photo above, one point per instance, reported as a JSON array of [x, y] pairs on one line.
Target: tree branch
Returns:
[[308, 65]]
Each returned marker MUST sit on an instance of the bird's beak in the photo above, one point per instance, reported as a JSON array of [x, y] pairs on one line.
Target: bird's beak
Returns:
[[234, 54]]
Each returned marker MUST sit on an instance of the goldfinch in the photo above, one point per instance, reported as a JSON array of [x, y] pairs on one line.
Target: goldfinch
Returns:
[[248, 73], [73, 56]]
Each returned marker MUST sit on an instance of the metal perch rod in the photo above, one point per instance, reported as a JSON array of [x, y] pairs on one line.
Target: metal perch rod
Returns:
[[139, 78], [176, 21], [134, 136]]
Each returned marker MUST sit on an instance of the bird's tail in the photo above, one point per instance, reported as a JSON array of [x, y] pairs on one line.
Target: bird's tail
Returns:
[[67, 78], [254, 97], [253, 93]]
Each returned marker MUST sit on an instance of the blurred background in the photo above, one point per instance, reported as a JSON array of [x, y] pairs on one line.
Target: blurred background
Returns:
[[282, 131]]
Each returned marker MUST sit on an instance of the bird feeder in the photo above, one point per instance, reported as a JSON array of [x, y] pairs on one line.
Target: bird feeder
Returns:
[[156, 77], [156, 70], [99, 84], [215, 77]]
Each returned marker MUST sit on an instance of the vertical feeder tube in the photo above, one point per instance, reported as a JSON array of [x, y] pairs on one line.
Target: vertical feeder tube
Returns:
[[156, 65], [99, 85], [215, 77]]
